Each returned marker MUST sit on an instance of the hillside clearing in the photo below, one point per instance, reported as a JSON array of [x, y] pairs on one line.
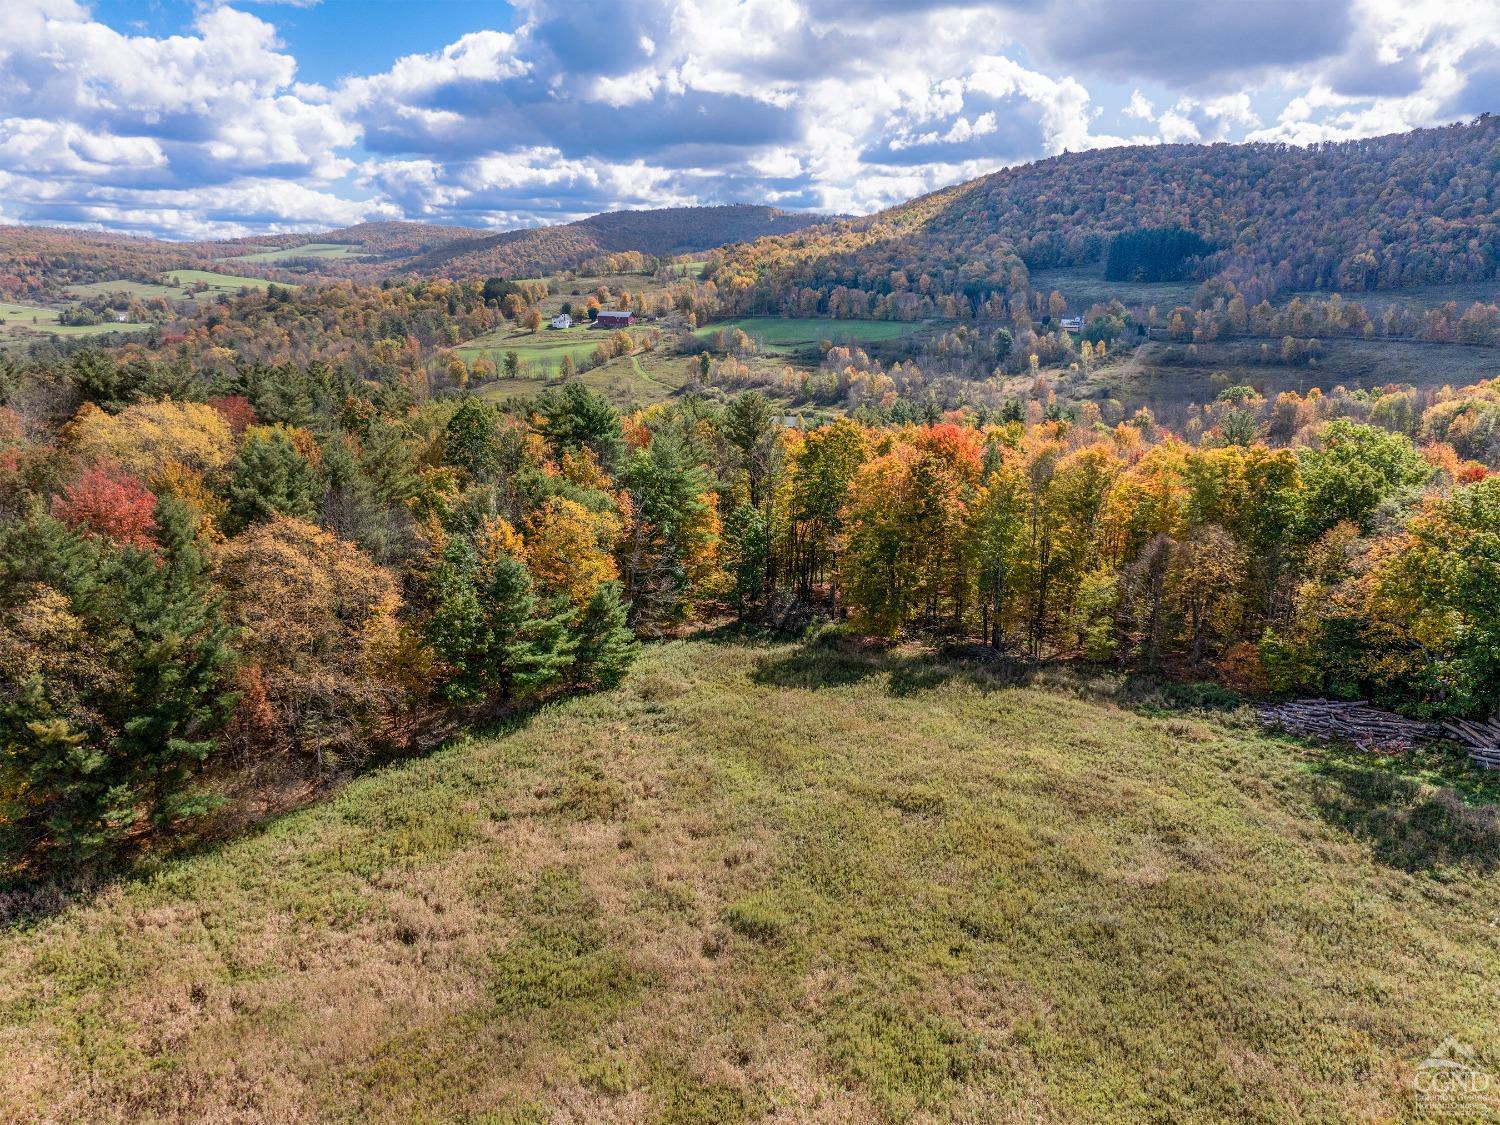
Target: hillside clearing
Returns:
[[541, 351], [228, 282], [27, 315], [306, 250], [1158, 374], [765, 878], [792, 334], [140, 290], [642, 378], [18, 322], [1083, 286]]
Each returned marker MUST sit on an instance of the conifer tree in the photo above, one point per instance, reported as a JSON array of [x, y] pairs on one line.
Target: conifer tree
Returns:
[[606, 645], [499, 639], [178, 658], [471, 440], [117, 666], [574, 416], [269, 475]]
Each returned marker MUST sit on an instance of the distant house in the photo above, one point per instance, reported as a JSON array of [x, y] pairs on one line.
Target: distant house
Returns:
[[1072, 323], [562, 320], [618, 318]]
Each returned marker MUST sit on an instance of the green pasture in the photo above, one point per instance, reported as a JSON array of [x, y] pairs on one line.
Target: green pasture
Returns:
[[793, 334], [306, 250]]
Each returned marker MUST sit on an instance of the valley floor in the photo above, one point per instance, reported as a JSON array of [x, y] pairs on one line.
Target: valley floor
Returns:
[[766, 878]]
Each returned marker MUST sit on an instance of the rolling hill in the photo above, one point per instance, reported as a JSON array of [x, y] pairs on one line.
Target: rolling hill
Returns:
[[43, 261], [657, 233], [1408, 209]]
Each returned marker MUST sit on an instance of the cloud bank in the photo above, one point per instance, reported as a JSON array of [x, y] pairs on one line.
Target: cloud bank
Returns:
[[814, 104]]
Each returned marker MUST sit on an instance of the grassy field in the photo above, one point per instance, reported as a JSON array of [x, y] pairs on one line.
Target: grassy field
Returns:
[[628, 381], [786, 335], [542, 351], [1418, 297], [216, 281], [307, 250], [22, 320], [29, 316], [142, 290], [1158, 373], [177, 291], [816, 883], [1085, 285]]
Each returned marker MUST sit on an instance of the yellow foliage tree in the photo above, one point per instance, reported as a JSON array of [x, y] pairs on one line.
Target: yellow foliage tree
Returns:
[[320, 624], [149, 436], [568, 548]]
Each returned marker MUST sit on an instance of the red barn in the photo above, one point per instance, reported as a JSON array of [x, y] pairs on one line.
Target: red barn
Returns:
[[614, 319]]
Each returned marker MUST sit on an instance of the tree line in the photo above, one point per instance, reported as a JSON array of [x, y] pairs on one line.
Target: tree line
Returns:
[[208, 575]]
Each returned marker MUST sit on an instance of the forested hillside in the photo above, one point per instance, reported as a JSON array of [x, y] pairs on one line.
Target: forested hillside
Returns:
[[384, 239], [657, 233], [1403, 210], [46, 260]]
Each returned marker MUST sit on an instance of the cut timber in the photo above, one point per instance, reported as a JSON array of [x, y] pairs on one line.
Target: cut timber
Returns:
[[1370, 728], [1481, 739]]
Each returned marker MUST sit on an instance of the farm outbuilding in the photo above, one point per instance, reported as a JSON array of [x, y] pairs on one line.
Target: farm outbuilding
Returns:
[[614, 318]]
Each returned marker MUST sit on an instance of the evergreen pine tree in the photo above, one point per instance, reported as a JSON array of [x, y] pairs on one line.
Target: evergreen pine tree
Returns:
[[268, 475], [575, 416], [471, 440], [502, 641], [606, 645], [746, 547], [119, 673], [178, 658]]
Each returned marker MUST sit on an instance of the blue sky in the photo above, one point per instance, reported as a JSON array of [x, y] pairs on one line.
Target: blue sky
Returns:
[[200, 118], [334, 39]]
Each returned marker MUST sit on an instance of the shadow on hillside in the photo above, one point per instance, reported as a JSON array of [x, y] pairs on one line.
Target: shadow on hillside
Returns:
[[246, 816], [836, 659], [1410, 823]]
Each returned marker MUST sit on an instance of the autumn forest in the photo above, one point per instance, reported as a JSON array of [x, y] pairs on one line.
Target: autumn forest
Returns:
[[1210, 423]]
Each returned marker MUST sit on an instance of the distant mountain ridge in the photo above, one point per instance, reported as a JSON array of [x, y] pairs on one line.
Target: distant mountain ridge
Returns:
[[658, 233], [428, 249], [1408, 209], [36, 261]]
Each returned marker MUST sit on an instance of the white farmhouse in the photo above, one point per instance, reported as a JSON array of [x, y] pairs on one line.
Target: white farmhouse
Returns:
[[562, 320]]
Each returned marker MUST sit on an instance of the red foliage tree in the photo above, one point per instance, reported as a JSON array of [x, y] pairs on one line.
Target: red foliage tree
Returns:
[[110, 502], [236, 410]]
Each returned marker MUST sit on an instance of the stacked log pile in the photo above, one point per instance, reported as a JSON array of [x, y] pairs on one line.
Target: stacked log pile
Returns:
[[1379, 731], [1481, 739]]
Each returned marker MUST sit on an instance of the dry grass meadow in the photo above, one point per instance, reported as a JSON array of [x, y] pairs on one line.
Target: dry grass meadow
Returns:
[[803, 881]]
